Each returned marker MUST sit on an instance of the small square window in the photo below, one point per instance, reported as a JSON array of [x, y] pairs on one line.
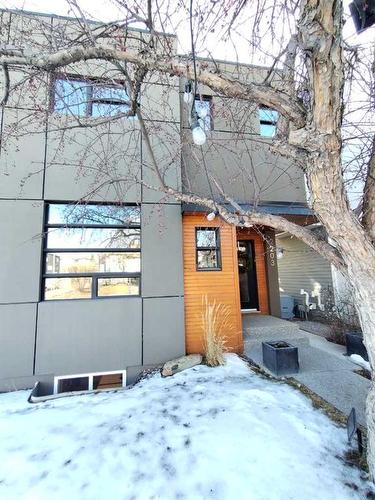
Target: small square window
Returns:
[[208, 249], [268, 121], [203, 107]]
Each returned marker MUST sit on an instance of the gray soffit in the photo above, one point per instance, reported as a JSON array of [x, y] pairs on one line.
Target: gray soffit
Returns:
[[268, 208]]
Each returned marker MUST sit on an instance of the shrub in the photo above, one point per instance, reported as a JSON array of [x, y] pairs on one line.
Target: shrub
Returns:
[[339, 314], [215, 321]]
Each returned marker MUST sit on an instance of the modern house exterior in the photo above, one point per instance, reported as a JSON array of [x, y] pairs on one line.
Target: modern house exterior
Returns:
[[101, 279]]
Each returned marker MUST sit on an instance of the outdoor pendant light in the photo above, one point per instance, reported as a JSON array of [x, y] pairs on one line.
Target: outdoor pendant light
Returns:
[[199, 137]]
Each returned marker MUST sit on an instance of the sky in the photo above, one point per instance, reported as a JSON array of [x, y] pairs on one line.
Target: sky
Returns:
[[107, 11]]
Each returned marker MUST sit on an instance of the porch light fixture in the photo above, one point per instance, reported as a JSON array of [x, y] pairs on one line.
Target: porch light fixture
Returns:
[[211, 216], [199, 136], [279, 253]]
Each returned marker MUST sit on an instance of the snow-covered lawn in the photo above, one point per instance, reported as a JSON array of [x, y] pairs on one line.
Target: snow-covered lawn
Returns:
[[218, 433]]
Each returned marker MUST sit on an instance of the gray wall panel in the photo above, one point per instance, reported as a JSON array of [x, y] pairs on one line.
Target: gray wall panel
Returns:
[[84, 336], [162, 267], [17, 334], [21, 226], [163, 329]]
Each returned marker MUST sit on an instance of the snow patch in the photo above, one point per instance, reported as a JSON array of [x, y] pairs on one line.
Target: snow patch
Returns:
[[223, 433], [358, 360]]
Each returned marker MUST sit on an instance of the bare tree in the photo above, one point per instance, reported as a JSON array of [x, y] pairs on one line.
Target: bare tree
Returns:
[[311, 82]]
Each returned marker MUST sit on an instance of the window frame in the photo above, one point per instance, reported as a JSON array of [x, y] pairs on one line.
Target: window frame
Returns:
[[267, 122], [90, 81], [205, 98], [90, 377], [95, 276], [217, 248]]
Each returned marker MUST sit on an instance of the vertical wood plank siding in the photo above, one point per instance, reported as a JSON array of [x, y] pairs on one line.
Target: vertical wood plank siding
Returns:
[[220, 286]]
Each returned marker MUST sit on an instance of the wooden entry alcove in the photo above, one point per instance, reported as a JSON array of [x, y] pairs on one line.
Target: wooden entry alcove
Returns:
[[260, 264], [221, 285]]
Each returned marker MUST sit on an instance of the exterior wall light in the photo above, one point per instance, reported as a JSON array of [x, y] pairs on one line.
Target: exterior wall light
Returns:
[[279, 253], [211, 216], [199, 136]]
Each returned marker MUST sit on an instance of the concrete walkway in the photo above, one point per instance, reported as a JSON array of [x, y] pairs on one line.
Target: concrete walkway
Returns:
[[323, 367]]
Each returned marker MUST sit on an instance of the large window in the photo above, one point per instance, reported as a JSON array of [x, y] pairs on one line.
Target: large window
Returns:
[[268, 121], [208, 248], [91, 251], [81, 97]]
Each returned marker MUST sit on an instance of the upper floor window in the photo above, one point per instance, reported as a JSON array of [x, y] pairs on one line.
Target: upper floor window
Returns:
[[203, 107], [91, 251], [268, 121], [97, 98], [208, 248]]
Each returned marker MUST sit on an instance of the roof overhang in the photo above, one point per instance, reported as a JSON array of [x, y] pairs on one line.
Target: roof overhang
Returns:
[[275, 208]]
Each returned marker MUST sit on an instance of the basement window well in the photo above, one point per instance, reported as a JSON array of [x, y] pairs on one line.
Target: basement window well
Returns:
[[89, 381]]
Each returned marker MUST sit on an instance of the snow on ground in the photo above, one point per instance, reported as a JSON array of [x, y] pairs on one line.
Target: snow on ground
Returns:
[[358, 360], [206, 433]]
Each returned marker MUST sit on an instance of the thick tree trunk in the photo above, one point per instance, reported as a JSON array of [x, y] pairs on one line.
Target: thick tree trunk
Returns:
[[320, 30], [368, 207]]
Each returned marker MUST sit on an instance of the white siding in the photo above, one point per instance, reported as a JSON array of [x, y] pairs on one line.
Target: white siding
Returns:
[[302, 267]]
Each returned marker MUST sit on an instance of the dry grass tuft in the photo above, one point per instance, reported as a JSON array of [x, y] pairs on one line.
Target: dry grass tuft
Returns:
[[215, 321]]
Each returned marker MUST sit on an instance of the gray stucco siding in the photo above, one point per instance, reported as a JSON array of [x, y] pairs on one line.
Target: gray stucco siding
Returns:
[[162, 267], [77, 336], [17, 333], [21, 227], [163, 329]]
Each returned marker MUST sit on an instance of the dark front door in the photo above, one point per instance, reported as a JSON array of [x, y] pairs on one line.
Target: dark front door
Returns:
[[247, 274]]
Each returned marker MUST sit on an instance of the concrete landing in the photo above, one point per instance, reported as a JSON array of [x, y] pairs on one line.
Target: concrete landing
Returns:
[[323, 367]]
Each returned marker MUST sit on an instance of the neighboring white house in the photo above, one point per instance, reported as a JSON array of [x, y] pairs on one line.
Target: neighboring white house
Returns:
[[307, 276]]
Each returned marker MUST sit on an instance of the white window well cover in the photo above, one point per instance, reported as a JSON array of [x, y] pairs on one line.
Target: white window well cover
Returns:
[[94, 381]]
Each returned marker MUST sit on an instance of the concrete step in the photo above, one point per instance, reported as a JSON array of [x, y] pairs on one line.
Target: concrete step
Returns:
[[268, 327]]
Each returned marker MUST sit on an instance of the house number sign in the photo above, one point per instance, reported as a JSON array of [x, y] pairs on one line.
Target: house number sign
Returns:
[[272, 255]]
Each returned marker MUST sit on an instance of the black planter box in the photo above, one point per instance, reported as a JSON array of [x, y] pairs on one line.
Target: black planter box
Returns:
[[355, 345], [280, 357]]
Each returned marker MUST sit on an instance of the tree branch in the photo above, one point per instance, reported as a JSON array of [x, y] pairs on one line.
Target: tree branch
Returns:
[[288, 106]]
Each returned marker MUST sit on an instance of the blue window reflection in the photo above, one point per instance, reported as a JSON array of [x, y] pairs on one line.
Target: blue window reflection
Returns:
[[77, 97], [268, 121], [91, 215], [203, 109], [71, 97]]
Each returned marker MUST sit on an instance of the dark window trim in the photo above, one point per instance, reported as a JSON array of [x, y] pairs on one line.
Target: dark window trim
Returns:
[[94, 275], [206, 98], [90, 82], [217, 248]]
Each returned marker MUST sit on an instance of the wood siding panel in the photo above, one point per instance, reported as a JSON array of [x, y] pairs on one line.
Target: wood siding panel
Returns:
[[220, 286]]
